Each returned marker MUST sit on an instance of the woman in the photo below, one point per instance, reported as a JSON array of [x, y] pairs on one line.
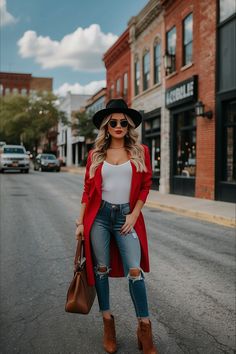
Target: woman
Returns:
[[117, 182]]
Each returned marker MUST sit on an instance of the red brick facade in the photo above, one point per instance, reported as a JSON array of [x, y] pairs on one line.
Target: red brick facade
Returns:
[[117, 61], [204, 66], [23, 83]]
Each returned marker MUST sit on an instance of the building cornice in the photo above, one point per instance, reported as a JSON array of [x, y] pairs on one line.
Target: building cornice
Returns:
[[145, 17], [117, 49]]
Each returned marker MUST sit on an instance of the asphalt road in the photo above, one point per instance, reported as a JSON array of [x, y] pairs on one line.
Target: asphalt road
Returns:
[[191, 287]]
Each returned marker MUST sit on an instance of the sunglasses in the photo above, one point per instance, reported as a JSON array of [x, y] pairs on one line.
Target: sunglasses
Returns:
[[113, 123]]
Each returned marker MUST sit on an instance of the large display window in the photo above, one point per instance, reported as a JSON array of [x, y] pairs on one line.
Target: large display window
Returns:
[[183, 151]]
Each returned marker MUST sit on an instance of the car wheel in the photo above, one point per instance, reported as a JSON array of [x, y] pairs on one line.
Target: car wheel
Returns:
[[26, 171], [58, 169], [21, 171], [2, 171]]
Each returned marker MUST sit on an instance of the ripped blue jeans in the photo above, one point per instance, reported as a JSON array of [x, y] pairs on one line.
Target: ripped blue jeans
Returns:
[[107, 224]]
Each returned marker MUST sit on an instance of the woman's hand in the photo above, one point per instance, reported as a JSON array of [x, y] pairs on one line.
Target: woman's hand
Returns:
[[79, 232], [129, 223]]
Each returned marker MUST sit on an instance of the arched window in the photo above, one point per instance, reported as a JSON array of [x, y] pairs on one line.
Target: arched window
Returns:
[[136, 77], [118, 87], [125, 85], [146, 70], [111, 93], [157, 61]]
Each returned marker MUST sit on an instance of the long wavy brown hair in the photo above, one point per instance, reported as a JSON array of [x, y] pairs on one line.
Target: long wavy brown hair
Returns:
[[102, 143]]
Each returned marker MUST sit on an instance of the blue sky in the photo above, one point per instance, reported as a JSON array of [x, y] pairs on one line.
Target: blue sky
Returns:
[[62, 39]]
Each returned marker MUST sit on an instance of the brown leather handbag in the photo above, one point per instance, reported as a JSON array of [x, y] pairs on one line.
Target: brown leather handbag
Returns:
[[80, 296]]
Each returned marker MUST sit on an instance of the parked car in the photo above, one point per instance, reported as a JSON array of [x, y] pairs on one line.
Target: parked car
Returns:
[[14, 157], [46, 162]]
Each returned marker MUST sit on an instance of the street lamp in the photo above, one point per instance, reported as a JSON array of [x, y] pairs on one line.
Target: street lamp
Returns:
[[169, 63], [199, 111]]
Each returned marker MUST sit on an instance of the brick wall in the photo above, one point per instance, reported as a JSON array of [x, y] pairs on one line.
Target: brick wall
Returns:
[[203, 65], [41, 84], [117, 61]]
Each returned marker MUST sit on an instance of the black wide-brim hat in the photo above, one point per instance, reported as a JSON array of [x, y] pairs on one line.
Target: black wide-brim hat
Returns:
[[117, 105]]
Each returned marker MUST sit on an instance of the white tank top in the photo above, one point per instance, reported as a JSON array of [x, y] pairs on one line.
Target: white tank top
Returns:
[[116, 182]]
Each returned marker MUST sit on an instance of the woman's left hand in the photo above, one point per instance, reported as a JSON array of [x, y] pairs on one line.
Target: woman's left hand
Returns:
[[129, 223]]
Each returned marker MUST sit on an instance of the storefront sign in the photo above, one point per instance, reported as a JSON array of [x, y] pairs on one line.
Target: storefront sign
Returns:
[[183, 92]]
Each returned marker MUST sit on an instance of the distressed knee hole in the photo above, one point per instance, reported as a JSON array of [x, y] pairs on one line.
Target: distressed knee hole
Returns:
[[135, 274], [102, 271]]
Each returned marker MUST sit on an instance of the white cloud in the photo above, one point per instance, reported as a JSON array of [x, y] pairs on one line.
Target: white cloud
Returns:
[[5, 17], [88, 89], [81, 50]]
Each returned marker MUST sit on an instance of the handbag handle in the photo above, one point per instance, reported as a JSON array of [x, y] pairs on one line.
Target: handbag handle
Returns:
[[79, 252]]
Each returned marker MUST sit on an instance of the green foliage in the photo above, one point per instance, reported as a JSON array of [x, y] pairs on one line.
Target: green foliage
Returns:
[[84, 125], [28, 118]]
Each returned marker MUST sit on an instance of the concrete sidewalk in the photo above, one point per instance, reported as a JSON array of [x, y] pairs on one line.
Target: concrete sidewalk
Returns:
[[203, 209]]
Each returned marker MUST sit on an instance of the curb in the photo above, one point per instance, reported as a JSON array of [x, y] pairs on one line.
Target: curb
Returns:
[[216, 219]]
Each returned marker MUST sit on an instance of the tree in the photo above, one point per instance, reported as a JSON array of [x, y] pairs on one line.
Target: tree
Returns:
[[13, 118], [28, 119], [84, 125]]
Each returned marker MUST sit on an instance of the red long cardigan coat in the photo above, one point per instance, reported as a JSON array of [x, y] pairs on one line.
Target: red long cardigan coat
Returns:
[[92, 196]]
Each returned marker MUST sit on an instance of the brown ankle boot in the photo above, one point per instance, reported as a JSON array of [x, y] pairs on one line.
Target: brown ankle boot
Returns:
[[145, 341], [109, 339]]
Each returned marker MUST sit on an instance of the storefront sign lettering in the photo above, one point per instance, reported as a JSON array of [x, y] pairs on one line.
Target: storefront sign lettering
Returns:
[[182, 92]]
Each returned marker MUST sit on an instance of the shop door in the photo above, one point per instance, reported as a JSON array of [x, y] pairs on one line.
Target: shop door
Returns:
[[155, 151], [183, 161], [226, 153]]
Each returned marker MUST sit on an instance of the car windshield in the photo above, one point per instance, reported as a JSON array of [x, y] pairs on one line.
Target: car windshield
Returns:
[[13, 150], [48, 157]]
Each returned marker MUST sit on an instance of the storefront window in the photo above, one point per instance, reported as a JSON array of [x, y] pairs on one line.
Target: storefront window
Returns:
[[186, 144], [230, 143], [156, 156], [153, 138], [188, 39], [227, 9]]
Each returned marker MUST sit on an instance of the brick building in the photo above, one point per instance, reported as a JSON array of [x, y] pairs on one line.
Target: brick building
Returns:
[[117, 63], [190, 65], [147, 90], [24, 84]]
